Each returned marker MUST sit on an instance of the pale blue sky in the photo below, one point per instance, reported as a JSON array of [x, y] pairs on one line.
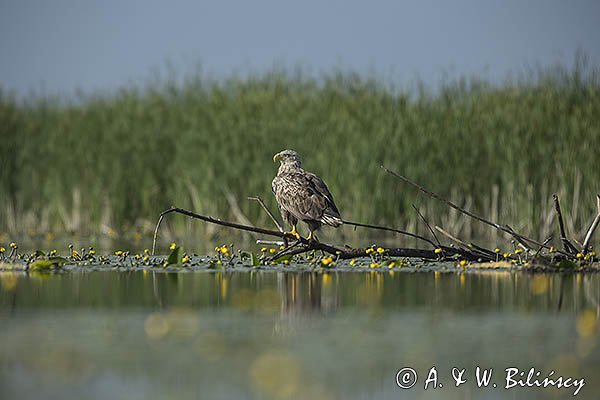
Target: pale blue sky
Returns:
[[61, 45]]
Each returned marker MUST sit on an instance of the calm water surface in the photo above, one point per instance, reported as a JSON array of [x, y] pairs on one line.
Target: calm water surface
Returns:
[[276, 335]]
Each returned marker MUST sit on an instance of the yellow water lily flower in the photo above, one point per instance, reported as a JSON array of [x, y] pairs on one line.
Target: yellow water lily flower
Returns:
[[327, 261]]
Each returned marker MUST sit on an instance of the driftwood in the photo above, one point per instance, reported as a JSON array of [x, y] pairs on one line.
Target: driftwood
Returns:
[[460, 250], [567, 245], [343, 252], [593, 226]]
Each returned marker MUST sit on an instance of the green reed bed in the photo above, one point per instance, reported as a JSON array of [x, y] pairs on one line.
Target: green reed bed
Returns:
[[109, 163]]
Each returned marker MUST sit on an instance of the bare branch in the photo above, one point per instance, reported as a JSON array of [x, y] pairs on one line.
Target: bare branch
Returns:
[[385, 228], [264, 206], [590, 232], [540, 248], [475, 250], [212, 221], [427, 224], [341, 252], [503, 228], [567, 245]]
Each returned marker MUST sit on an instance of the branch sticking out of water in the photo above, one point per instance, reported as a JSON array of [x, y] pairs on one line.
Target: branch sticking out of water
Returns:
[[593, 226], [343, 252], [567, 245], [269, 213], [504, 228]]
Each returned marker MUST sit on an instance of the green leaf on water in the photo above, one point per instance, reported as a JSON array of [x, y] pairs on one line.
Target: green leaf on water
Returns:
[[176, 257], [281, 259], [48, 264], [254, 260], [566, 264]]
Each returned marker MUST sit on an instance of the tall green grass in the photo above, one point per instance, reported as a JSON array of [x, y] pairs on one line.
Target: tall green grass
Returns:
[[110, 163]]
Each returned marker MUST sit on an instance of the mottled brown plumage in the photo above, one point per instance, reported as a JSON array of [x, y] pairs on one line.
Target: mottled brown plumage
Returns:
[[302, 195]]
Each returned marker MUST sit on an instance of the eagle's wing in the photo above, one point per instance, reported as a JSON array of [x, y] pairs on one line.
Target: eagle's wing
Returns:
[[320, 187]]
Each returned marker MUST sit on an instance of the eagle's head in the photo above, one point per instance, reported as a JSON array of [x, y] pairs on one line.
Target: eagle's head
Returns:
[[288, 158]]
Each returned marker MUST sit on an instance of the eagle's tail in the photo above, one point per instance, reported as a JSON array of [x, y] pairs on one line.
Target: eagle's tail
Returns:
[[332, 220]]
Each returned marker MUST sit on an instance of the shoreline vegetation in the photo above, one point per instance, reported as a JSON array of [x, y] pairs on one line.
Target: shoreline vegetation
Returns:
[[109, 164]]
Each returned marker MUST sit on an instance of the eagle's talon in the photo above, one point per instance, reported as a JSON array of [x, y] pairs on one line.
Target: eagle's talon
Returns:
[[293, 233]]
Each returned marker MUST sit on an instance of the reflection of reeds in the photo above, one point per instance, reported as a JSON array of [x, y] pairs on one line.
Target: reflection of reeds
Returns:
[[112, 163]]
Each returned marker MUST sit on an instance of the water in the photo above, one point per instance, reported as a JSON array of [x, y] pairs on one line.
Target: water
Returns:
[[275, 335]]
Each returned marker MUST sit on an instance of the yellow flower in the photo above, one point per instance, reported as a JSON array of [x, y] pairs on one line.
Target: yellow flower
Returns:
[[92, 252], [138, 257], [146, 251], [392, 265], [506, 255], [118, 253], [263, 249], [286, 262], [518, 251], [380, 250], [224, 250], [353, 261], [327, 261], [579, 255], [13, 245], [593, 254], [146, 258], [2, 249], [369, 250], [552, 249], [463, 263], [374, 265], [272, 251], [497, 250], [185, 260], [437, 251], [52, 252], [173, 246]]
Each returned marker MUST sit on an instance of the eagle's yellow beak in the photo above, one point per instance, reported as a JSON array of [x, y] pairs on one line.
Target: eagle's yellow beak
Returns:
[[277, 157]]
